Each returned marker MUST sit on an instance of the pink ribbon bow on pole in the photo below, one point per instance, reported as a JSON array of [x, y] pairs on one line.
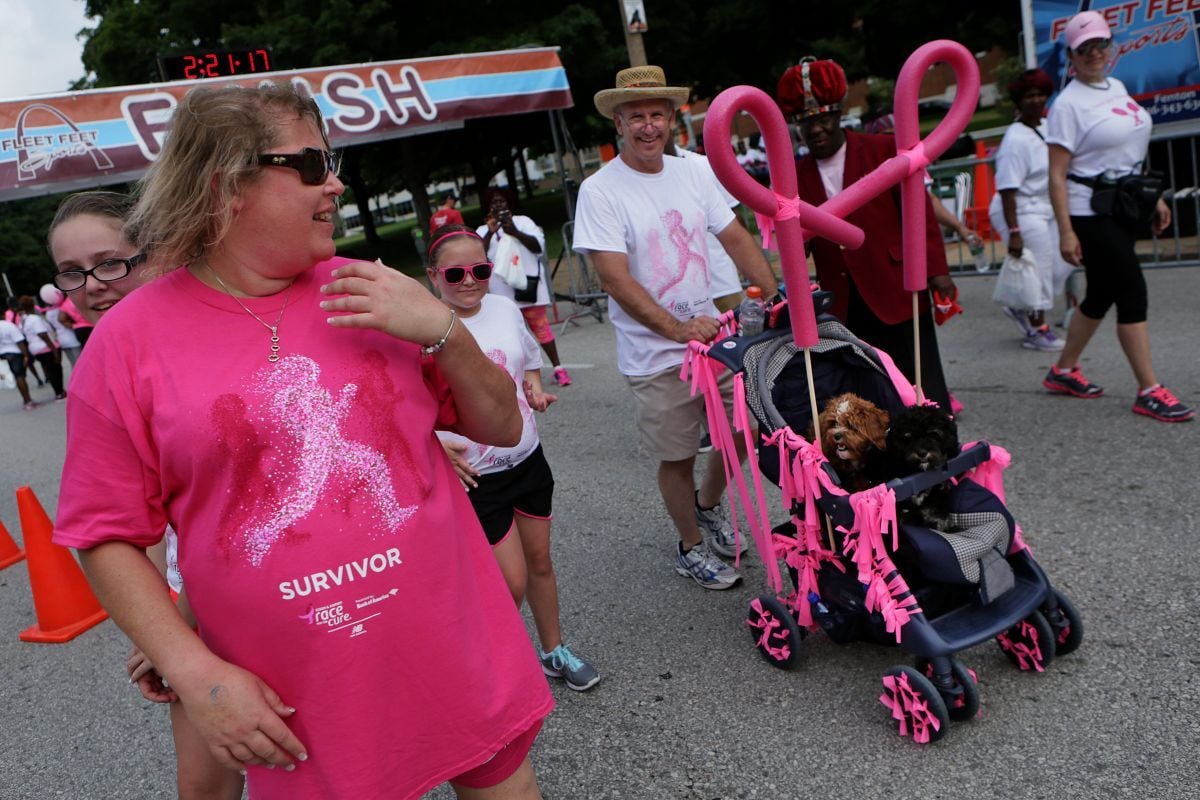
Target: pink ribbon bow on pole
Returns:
[[791, 214]]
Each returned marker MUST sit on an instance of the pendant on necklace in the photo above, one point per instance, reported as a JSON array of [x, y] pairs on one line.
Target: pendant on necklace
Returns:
[[274, 346]]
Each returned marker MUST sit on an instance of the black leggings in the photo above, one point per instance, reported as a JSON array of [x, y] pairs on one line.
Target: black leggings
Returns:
[[53, 370], [1114, 274]]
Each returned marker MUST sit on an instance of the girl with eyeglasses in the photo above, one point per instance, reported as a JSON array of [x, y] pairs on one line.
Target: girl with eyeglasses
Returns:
[[277, 406], [1095, 129], [99, 265], [511, 488]]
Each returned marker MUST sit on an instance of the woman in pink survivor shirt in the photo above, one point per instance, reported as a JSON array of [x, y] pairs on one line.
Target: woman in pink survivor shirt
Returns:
[[276, 406]]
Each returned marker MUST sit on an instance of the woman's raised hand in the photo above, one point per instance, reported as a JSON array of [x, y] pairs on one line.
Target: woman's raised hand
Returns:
[[375, 296]]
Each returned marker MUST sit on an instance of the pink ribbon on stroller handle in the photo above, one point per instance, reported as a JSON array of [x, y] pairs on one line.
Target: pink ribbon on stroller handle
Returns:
[[702, 373]]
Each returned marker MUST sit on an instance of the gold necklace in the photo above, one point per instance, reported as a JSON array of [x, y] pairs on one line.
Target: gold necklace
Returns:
[[274, 329]]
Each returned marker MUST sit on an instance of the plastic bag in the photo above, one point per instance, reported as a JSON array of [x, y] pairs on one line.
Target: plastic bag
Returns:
[[508, 266], [1018, 285]]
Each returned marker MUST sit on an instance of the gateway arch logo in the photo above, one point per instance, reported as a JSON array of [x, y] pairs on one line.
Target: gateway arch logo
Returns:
[[38, 153]]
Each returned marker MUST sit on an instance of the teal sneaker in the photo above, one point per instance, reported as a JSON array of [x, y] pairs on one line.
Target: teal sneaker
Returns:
[[562, 663]]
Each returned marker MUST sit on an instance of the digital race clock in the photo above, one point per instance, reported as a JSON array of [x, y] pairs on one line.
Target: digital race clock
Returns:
[[214, 64]]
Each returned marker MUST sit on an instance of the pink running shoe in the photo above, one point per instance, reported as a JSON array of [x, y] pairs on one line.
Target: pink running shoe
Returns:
[[561, 376], [1071, 382], [1161, 404]]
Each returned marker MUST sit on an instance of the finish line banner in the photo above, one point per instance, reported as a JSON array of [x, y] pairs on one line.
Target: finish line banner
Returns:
[[1155, 52], [79, 140]]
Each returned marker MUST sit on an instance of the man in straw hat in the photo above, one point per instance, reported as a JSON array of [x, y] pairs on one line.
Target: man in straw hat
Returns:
[[642, 219], [867, 283]]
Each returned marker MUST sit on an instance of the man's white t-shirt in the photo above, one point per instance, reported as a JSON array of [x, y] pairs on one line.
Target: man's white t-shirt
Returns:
[[500, 331], [1023, 164], [833, 172], [529, 259], [1105, 130], [32, 325], [725, 280], [658, 221]]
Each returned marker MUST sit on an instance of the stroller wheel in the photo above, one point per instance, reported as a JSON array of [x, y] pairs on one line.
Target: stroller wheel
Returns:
[[774, 630], [915, 703], [962, 705], [1065, 623], [1029, 644]]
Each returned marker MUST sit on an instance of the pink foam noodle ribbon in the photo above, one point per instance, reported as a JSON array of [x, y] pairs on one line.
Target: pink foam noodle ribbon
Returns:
[[913, 154], [908, 140], [795, 216]]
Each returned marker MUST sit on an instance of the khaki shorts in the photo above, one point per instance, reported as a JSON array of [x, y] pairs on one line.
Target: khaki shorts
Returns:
[[728, 302], [669, 419]]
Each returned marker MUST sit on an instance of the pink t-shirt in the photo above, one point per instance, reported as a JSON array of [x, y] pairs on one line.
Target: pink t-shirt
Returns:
[[326, 543]]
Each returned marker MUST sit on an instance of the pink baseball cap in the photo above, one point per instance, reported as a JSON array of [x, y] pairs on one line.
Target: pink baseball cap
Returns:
[[1085, 26]]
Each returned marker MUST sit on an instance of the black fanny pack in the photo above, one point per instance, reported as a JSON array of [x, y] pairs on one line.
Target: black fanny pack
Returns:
[[1130, 199]]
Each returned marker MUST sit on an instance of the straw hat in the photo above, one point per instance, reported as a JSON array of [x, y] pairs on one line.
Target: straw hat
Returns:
[[640, 83]]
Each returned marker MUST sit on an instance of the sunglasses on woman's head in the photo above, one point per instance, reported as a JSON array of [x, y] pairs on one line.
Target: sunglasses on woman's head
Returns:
[[313, 165], [458, 273]]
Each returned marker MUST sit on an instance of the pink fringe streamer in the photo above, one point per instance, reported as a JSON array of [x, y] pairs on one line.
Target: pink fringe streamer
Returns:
[[910, 711]]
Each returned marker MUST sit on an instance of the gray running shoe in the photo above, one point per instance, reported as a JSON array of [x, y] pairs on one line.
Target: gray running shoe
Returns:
[[1042, 339], [704, 568], [719, 533], [1019, 318], [562, 663]]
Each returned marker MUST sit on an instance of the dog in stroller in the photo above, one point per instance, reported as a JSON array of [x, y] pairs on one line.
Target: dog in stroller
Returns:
[[860, 572]]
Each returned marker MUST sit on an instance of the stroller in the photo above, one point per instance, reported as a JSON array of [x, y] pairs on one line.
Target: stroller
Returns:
[[856, 572]]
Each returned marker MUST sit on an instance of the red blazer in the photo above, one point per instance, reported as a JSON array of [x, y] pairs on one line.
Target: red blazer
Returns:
[[876, 268]]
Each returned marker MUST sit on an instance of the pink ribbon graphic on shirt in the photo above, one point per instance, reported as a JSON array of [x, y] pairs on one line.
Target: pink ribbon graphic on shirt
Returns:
[[795, 219], [303, 408]]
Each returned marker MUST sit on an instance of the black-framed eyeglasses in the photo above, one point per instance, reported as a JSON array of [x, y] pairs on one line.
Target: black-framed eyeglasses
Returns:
[[70, 280], [1092, 45], [458, 273], [313, 165]]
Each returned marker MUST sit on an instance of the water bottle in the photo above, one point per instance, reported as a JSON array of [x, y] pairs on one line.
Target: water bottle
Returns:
[[982, 262], [752, 312]]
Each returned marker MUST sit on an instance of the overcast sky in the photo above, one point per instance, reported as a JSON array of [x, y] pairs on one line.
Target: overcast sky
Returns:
[[39, 53]]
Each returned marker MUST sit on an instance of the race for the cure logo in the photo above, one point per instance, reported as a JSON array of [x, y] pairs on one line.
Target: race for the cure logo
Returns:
[[37, 153], [327, 616]]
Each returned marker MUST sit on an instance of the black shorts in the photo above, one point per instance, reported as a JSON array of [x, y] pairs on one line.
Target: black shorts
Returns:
[[527, 488], [16, 364]]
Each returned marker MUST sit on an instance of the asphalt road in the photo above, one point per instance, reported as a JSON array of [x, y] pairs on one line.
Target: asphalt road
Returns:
[[686, 708]]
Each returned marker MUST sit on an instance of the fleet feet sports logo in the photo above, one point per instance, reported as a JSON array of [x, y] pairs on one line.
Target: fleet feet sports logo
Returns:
[[38, 152]]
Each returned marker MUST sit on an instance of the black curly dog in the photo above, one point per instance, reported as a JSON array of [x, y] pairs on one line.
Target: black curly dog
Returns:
[[921, 438]]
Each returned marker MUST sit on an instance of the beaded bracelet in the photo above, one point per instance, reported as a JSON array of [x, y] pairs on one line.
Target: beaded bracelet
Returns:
[[437, 346]]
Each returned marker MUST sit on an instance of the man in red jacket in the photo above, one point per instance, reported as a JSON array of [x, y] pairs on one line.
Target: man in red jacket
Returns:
[[867, 283]]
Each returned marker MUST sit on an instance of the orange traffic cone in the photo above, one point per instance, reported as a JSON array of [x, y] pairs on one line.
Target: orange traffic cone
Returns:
[[62, 598], [9, 552]]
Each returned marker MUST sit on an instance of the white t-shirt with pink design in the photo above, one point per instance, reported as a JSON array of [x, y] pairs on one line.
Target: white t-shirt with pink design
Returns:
[[658, 221], [327, 544], [500, 330], [1104, 129]]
